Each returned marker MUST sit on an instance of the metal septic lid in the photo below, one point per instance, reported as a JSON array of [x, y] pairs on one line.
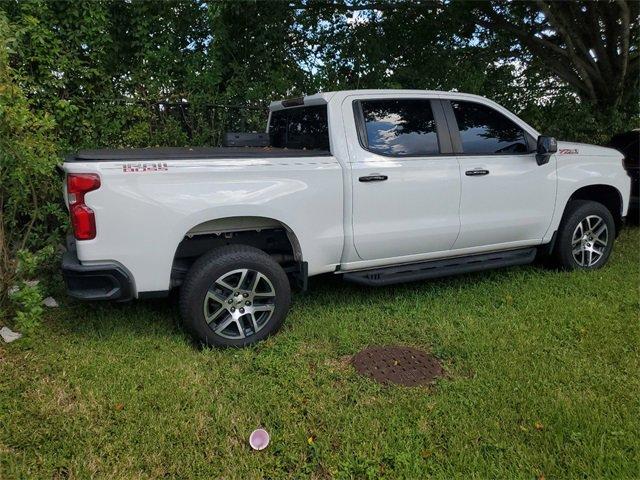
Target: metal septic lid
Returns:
[[400, 365]]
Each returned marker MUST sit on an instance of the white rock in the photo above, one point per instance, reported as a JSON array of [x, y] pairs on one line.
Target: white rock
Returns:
[[9, 335], [13, 290], [50, 302], [32, 283]]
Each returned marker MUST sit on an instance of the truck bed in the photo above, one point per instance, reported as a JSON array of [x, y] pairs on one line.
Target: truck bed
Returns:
[[187, 153]]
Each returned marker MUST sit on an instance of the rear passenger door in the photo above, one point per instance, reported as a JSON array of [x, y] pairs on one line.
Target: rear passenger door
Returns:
[[507, 198], [405, 177]]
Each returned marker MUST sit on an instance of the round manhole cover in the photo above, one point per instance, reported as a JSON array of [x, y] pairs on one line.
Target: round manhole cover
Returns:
[[401, 365]]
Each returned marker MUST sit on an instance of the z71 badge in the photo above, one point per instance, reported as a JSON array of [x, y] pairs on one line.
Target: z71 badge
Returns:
[[568, 151], [145, 167]]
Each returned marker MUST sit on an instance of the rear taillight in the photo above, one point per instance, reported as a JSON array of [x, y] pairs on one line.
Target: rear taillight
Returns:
[[83, 219]]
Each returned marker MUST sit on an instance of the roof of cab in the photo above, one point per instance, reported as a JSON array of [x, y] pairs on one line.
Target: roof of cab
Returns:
[[324, 97]]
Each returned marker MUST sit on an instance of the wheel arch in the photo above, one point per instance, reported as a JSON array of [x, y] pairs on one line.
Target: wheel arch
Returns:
[[269, 234], [607, 195]]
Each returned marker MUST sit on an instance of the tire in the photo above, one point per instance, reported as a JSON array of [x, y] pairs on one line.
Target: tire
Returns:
[[239, 286], [574, 235]]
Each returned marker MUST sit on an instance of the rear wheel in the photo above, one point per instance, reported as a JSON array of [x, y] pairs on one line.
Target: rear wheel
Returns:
[[234, 296], [586, 234]]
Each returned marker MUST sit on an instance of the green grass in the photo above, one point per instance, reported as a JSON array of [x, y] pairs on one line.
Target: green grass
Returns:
[[544, 380]]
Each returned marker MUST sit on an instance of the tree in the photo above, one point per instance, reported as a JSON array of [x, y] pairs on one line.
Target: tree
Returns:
[[592, 46], [399, 44]]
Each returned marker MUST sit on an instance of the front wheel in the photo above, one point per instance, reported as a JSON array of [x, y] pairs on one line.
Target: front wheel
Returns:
[[234, 296], [585, 237]]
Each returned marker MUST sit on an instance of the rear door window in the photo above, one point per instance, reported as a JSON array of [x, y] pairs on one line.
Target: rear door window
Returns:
[[400, 127], [484, 131], [300, 128]]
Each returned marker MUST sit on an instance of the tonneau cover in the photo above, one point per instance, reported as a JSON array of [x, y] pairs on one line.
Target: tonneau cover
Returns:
[[142, 154]]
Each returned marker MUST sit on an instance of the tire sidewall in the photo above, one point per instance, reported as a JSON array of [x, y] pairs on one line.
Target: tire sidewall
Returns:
[[578, 211], [211, 267]]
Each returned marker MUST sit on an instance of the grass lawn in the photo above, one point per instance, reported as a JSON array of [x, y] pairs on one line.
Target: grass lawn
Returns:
[[544, 380]]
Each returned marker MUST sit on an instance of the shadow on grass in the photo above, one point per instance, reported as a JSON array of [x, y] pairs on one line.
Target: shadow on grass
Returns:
[[335, 286], [153, 317], [157, 318]]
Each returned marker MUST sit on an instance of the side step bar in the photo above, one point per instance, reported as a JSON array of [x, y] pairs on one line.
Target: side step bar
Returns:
[[441, 268]]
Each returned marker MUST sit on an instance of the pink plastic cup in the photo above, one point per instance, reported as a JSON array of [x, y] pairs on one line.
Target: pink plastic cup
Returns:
[[259, 439]]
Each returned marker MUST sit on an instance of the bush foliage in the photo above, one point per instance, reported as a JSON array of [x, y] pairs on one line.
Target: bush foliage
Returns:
[[31, 216]]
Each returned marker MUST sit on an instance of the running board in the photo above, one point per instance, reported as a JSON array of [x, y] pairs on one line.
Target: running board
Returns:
[[441, 268]]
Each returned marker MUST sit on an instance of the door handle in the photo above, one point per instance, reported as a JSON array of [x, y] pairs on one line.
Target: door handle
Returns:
[[373, 178], [476, 172]]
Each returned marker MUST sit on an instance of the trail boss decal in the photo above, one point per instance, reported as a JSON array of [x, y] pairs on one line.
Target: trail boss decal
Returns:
[[568, 151], [145, 167]]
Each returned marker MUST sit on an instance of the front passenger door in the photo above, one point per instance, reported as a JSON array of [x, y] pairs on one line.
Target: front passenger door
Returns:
[[507, 198]]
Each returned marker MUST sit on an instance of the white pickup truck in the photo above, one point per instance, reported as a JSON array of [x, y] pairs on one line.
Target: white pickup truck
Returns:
[[379, 186]]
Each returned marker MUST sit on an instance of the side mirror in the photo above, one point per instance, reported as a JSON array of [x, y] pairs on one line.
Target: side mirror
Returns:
[[546, 146]]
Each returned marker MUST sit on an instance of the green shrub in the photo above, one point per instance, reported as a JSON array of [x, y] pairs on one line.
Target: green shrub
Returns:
[[28, 302], [31, 214]]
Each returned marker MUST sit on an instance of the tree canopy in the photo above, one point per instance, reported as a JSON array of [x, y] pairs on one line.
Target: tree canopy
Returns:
[[591, 46], [101, 67]]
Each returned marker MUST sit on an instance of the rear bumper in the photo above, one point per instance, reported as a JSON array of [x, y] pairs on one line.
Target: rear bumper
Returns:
[[107, 281]]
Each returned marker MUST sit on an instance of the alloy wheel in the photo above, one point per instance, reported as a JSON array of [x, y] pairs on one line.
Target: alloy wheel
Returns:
[[239, 303], [590, 241]]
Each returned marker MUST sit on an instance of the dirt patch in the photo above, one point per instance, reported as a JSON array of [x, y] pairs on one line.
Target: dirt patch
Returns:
[[340, 363]]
